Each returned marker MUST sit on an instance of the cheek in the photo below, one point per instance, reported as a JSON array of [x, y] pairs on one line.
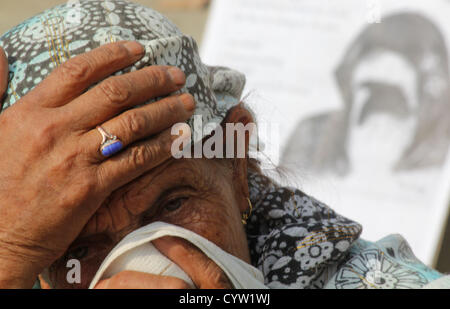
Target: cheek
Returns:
[[60, 274], [217, 222]]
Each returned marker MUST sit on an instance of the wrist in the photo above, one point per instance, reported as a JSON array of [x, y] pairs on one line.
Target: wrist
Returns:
[[16, 272], [16, 275], [7, 281]]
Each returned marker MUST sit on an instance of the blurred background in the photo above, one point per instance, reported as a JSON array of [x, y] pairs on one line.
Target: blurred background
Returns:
[[191, 16]]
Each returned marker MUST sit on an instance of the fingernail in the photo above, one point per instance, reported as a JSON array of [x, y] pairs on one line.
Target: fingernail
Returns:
[[134, 48], [165, 244], [177, 76], [188, 102]]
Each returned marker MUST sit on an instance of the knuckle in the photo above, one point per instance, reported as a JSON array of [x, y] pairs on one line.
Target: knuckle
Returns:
[[216, 278], [138, 156], [143, 155], [158, 77], [113, 52], [76, 70], [44, 135], [220, 280], [134, 122], [114, 91], [174, 107]]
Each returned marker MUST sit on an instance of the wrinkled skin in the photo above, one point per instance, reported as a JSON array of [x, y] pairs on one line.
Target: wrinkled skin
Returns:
[[196, 194], [206, 196], [53, 178]]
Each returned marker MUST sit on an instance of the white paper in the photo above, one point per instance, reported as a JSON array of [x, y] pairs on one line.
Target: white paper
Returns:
[[377, 72]]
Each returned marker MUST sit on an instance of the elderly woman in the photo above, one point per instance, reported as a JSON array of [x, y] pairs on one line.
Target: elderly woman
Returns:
[[96, 166]]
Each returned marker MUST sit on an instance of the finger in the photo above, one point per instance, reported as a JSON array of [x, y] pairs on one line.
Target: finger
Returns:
[[201, 269], [137, 280], [74, 76], [138, 159], [3, 73], [118, 93], [142, 122]]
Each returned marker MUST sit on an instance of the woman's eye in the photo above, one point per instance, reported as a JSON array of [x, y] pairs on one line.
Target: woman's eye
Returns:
[[174, 204], [78, 253]]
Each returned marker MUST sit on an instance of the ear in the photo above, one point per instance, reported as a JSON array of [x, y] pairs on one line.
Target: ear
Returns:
[[3, 73], [239, 114]]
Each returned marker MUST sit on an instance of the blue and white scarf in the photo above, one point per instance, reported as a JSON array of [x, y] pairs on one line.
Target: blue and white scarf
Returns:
[[299, 242]]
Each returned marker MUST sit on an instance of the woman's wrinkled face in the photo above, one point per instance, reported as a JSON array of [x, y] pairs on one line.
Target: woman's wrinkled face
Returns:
[[197, 194]]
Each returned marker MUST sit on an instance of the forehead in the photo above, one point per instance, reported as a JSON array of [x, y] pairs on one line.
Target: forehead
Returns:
[[204, 175], [204, 179], [186, 168]]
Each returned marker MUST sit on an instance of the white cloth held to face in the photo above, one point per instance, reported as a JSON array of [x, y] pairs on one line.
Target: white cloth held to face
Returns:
[[136, 253]]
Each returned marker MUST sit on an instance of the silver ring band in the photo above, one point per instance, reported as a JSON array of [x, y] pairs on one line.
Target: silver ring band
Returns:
[[110, 144]]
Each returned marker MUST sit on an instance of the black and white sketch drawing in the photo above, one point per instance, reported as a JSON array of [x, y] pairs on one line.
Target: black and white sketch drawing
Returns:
[[395, 87]]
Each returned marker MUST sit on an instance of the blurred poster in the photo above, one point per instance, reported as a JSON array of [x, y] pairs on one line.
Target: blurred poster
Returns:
[[360, 91]]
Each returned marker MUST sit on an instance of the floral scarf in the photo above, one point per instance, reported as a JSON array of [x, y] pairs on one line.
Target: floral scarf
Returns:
[[299, 242]]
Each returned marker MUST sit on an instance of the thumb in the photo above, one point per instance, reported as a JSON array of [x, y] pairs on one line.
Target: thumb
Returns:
[[3, 73], [202, 270]]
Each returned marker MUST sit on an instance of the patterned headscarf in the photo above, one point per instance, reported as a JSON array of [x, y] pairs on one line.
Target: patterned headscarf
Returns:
[[42, 43]]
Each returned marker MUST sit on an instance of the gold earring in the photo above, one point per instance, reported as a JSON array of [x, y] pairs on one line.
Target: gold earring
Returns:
[[247, 214]]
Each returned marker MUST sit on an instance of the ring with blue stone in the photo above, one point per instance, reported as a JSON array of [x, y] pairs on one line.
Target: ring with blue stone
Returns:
[[110, 144]]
